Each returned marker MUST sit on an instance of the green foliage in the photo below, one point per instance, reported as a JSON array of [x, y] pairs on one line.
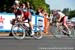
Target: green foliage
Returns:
[[70, 13], [66, 11], [38, 3], [5, 5]]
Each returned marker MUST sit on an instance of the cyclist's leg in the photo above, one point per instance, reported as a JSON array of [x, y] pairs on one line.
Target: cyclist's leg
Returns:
[[65, 23], [28, 16], [30, 24], [57, 25]]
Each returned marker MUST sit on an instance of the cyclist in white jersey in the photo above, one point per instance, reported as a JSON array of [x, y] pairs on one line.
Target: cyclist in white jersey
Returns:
[[62, 18]]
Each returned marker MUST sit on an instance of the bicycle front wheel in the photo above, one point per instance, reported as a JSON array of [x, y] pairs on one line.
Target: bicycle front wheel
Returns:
[[38, 34], [18, 31], [72, 32]]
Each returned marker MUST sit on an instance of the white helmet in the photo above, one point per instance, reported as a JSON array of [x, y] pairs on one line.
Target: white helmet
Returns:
[[17, 2], [54, 11]]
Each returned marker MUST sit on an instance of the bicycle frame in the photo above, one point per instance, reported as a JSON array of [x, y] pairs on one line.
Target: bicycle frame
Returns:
[[24, 26]]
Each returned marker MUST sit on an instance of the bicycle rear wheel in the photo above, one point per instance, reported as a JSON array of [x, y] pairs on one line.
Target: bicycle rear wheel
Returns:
[[56, 32], [18, 31]]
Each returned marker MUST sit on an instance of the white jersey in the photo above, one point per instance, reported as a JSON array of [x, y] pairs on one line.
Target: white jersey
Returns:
[[61, 14], [41, 14]]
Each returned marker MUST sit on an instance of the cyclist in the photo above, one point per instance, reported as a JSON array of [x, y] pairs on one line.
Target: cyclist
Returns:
[[26, 15], [22, 10], [16, 11], [62, 18]]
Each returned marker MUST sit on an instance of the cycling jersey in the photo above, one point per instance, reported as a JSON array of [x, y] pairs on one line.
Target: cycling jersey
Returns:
[[26, 14], [17, 10], [61, 14]]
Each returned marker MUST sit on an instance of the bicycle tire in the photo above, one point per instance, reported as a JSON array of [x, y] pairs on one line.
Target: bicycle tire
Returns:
[[56, 33], [38, 34], [68, 32], [72, 32], [14, 33]]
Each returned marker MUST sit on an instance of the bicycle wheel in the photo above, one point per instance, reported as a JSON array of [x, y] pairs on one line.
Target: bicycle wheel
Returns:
[[56, 32], [18, 31], [72, 32], [66, 31], [38, 34]]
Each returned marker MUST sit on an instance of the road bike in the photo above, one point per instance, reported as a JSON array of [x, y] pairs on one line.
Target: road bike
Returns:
[[20, 30], [60, 31]]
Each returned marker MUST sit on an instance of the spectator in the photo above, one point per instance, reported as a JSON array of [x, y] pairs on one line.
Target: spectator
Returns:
[[51, 17], [46, 22], [42, 12], [28, 5], [39, 10], [31, 10]]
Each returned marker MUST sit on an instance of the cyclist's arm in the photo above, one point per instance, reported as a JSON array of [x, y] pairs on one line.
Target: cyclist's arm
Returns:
[[59, 18], [22, 15]]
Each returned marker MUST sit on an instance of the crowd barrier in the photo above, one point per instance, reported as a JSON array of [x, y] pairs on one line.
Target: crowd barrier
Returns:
[[5, 19]]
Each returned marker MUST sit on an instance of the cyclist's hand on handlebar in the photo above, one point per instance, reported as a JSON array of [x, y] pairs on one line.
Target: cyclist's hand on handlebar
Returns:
[[20, 20], [58, 21]]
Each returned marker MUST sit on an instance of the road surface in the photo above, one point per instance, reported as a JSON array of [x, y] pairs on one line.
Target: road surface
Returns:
[[46, 43]]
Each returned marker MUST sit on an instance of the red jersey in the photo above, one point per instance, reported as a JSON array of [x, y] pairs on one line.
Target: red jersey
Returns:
[[26, 15]]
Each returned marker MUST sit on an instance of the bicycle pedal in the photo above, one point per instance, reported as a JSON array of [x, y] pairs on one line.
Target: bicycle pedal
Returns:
[[31, 36], [64, 33]]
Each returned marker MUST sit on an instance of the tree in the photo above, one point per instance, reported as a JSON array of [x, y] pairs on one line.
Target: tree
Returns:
[[72, 14], [38, 3], [6, 4], [66, 11]]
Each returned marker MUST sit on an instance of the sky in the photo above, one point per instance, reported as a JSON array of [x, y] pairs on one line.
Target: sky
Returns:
[[61, 4]]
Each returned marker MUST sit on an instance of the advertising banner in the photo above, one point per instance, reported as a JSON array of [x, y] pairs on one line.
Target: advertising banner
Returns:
[[6, 18]]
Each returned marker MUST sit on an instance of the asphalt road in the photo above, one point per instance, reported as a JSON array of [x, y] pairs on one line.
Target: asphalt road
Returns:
[[46, 43]]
